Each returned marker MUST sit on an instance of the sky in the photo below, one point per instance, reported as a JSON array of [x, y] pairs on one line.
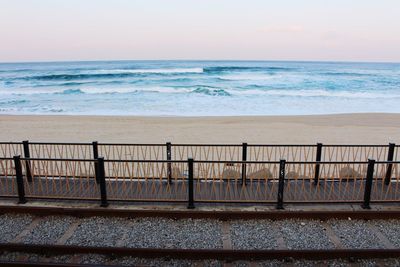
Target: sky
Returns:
[[314, 30]]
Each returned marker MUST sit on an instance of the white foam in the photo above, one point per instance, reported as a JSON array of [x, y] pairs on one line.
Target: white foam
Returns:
[[29, 91], [98, 90], [247, 77], [314, 93], [234, 92], [127, 90], [161, 71]]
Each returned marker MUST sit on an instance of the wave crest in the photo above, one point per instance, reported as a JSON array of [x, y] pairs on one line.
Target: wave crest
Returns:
[[239, 68], [113, 73]]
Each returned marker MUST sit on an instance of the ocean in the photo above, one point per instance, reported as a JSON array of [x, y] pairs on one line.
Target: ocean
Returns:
[[198, 88]]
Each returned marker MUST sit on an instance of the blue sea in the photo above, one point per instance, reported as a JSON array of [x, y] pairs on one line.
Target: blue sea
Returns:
[[199, 88]]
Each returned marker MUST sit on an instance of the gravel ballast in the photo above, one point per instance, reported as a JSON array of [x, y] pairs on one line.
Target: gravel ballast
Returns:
[[304, 234], [11, 225], [253, 234], [391, 229], [49, 230], [148, 232], [98, 231], [355, 234], [168, 233], [200, 233], [132, 261]]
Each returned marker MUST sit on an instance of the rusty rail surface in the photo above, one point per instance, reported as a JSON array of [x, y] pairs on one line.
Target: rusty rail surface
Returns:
[[222, 215], [50, 264], [220, 254]]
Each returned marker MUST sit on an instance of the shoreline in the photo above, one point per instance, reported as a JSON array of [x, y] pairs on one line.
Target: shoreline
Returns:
[[199, 116], [354, 128]]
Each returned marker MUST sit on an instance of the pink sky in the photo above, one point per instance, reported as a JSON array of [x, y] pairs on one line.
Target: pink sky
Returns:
[[341, 30]]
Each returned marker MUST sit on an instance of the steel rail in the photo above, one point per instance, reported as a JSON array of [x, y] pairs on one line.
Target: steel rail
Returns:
[[49, 264], [212, 214], [197, 254]]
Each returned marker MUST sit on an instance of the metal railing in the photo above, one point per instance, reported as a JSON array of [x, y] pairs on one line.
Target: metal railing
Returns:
[[216, 152], [197, 181]]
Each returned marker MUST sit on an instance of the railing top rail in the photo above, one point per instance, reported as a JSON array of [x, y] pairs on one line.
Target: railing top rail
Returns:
[[294, 162], [146, 161], [285, 145], [10, 143], [326, 162], [280, 145], [355, 145], [127, 144], [189, 144], [61, 143], [6, 158], [287, 162], [325, 145], [215, 145]]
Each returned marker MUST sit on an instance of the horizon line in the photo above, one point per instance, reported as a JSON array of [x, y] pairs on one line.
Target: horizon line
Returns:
[[202, 60]]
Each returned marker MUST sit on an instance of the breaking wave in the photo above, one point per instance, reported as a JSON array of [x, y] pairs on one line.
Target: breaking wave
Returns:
[[198, 88]]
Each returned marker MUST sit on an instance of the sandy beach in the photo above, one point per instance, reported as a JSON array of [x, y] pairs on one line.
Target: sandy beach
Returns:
[[334, 129]]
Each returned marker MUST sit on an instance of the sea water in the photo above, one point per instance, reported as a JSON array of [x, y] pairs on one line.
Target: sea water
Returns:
[[198, 88]]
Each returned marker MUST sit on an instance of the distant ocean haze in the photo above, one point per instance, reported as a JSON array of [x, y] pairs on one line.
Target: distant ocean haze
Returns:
[[198, 88]]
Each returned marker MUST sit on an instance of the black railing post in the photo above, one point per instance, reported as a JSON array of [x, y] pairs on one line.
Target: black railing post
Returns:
[[390, 165], [244, 158], [368, 184], [317, 166], [95, 146], [20, 180], [27, 155], [281, 185], [190, 184], [102, 181], [169, 165]]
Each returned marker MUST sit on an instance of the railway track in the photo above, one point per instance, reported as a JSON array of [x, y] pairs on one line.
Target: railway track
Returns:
[[54, 236]]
